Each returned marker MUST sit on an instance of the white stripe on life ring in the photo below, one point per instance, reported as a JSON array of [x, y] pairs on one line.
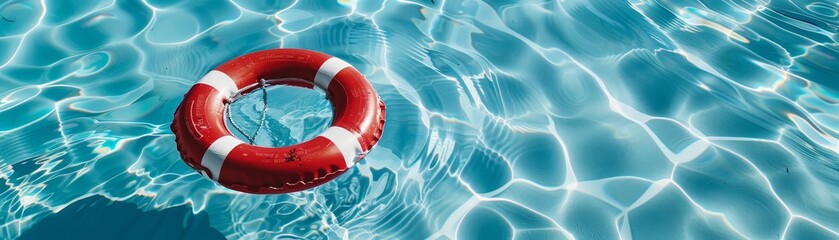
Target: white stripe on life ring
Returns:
[[328, 70], [221, 82], [346, 142], [218, 151]]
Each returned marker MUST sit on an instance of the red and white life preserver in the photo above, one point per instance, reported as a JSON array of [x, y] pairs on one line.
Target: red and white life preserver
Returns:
[[207, 145]]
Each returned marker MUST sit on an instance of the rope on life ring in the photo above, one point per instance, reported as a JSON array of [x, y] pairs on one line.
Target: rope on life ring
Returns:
[[206, 144]]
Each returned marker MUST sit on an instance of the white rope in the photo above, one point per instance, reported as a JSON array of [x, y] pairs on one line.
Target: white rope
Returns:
[[235, 98]]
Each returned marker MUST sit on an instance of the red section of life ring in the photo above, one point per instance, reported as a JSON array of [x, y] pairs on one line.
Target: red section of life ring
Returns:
[[207, 145]]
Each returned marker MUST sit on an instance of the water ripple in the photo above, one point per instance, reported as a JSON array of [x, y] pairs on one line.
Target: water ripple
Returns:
[[506, 119]]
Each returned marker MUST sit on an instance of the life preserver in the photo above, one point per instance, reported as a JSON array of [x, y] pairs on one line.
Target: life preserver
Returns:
[[207, 145]]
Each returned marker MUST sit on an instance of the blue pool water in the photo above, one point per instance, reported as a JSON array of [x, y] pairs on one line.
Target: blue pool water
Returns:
[[527, 119]]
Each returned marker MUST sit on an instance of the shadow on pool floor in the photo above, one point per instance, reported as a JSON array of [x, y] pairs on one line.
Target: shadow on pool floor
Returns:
[[97, 217]]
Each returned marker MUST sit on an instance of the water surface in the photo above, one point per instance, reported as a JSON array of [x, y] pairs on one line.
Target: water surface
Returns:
[[532, 119]]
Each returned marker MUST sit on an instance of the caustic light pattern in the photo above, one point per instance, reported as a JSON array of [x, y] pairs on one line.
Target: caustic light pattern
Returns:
[[586, 119]]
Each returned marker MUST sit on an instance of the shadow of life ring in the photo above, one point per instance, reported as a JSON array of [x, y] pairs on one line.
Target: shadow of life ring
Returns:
[[206, 144]]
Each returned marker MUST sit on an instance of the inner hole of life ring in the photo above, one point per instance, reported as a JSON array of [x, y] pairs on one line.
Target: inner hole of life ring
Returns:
[[294, 113]]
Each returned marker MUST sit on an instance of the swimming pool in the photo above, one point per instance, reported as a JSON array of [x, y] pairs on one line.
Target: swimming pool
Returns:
[[534, 119]]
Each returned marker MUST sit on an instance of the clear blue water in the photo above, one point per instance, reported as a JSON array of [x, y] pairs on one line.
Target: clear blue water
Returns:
[[292, 115], [586, 119]]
